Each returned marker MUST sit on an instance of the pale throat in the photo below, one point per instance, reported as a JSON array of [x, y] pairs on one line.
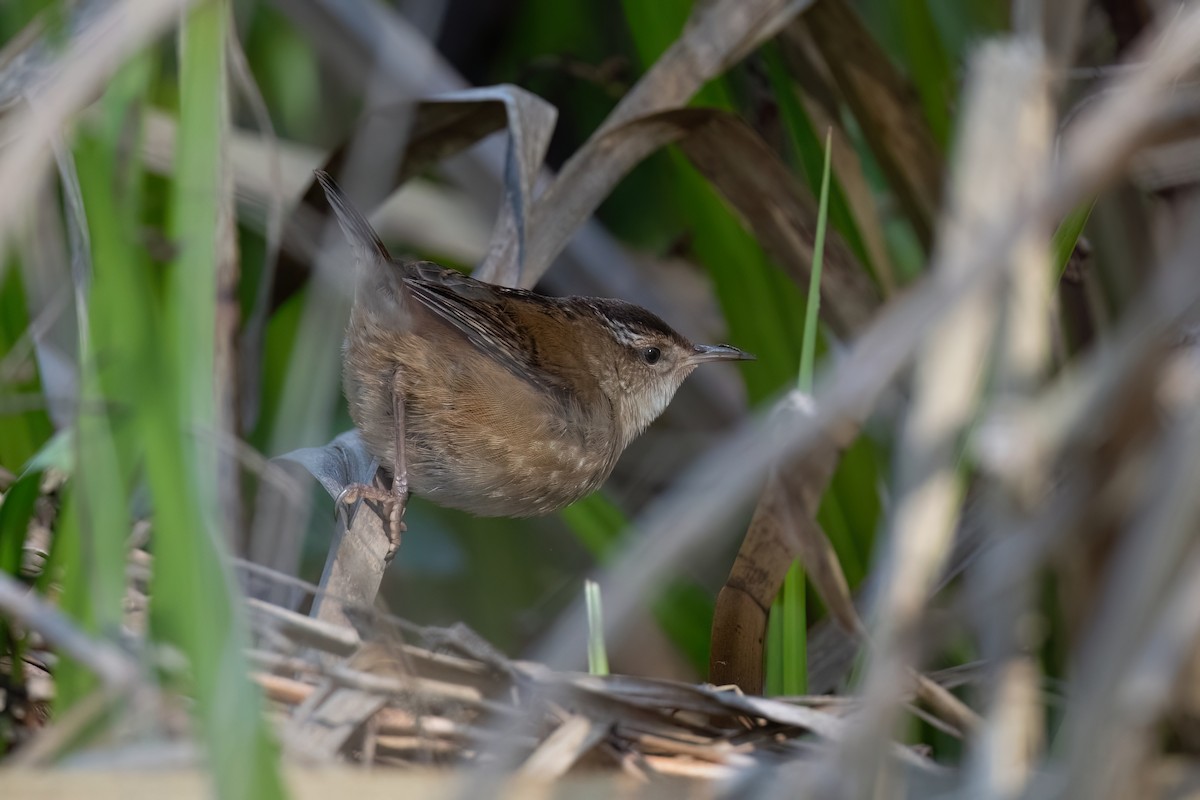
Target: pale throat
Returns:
[[638, 410]]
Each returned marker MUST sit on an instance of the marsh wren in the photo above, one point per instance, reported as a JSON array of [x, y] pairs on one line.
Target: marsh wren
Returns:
[[499, 402]]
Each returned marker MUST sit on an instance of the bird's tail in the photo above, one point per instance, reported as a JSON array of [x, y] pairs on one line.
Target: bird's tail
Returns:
[[362, 237]]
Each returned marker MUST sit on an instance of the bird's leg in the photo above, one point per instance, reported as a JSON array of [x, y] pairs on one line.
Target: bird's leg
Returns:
[[385, 498], [394, 500], [400, 470]]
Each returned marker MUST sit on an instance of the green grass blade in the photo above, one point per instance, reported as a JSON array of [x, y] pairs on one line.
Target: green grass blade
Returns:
[[195, 599], [95, 523], [1062, 245], [773, 651], [193, 215], [16, 510], [809, 347], [794, 633], [682, 610], [597, 655], [790, 636]]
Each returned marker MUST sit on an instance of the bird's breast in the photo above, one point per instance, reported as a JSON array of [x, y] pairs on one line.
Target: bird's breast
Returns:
[[477, 437]]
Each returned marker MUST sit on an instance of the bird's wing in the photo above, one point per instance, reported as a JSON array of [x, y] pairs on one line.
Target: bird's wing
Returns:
[[475, 309]]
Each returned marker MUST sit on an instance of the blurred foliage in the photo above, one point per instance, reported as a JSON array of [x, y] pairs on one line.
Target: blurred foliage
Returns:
[[505, 578], [582, 58]]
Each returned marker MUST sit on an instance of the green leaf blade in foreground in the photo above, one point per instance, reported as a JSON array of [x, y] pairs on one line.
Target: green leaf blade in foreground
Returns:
[[195, 599], [1066, 236], [92, 532], [597, 653]]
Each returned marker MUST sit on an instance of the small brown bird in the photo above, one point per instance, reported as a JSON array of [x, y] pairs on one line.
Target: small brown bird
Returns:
[[499, 402]]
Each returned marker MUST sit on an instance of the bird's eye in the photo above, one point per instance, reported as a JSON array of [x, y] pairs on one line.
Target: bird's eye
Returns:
[[651, 355]]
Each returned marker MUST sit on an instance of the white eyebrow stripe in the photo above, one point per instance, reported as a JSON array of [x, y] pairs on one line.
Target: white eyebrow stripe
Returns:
[[623, 333]]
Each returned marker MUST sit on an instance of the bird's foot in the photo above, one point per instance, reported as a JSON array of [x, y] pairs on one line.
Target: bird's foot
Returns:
[[386, 499]]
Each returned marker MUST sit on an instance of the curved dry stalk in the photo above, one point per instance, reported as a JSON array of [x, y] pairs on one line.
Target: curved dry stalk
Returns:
[[530, 125], [784, 527], [438, 128], [718, 34], [741, 166]]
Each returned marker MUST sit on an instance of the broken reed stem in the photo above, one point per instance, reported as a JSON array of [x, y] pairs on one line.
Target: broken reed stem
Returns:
[[1000, 162], [1010, 742]]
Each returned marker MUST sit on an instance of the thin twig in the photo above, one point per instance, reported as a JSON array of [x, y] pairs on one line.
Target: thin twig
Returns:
[[115, 668]]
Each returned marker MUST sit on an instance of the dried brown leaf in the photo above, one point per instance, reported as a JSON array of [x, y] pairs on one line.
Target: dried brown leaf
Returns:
[[438, 128], [784, 528], [530, 124]]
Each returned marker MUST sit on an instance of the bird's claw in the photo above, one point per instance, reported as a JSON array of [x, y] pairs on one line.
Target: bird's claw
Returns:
[[393, 519]]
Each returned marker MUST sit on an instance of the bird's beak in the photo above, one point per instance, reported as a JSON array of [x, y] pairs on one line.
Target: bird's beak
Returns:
[[718, 352]]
